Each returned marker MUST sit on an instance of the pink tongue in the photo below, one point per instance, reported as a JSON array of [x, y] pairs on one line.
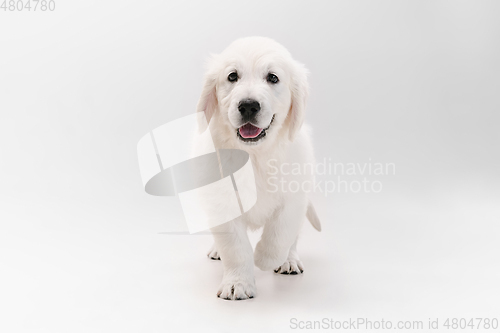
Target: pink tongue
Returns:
[[249, 131]]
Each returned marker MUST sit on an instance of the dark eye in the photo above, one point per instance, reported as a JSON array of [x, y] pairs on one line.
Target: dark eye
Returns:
[[232, 77], [272, 78]]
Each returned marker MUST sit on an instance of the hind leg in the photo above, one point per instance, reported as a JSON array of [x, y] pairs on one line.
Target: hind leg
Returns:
[[213, 253]]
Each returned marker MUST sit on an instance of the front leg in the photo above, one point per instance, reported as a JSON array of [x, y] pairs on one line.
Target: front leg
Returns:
[[292, 264], [235, 250], [280, 233]]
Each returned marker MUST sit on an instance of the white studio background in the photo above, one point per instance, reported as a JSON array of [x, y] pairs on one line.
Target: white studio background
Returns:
[[413, 83]]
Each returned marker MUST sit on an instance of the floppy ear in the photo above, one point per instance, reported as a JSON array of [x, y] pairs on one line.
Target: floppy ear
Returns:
[[208, 100], [299, 89]]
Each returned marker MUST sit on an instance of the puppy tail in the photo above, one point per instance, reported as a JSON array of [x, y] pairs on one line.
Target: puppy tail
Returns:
[[312, 216]]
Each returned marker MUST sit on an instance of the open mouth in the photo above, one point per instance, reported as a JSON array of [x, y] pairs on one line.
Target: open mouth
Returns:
[[251, 133]]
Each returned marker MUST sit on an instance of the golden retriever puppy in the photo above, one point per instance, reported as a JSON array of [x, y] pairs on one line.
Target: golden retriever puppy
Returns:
[[254, 98]]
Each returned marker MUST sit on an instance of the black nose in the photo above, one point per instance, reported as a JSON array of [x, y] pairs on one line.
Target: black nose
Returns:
[[248, 107]]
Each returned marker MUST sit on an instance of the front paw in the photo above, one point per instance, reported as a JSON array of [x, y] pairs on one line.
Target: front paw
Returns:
[[237, 288], [267, 259], [290, 267]]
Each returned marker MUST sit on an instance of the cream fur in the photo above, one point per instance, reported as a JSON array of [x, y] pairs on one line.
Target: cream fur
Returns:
[[287, 141]]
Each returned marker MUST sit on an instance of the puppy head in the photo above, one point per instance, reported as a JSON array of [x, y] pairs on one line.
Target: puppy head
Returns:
[[257, 91]]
